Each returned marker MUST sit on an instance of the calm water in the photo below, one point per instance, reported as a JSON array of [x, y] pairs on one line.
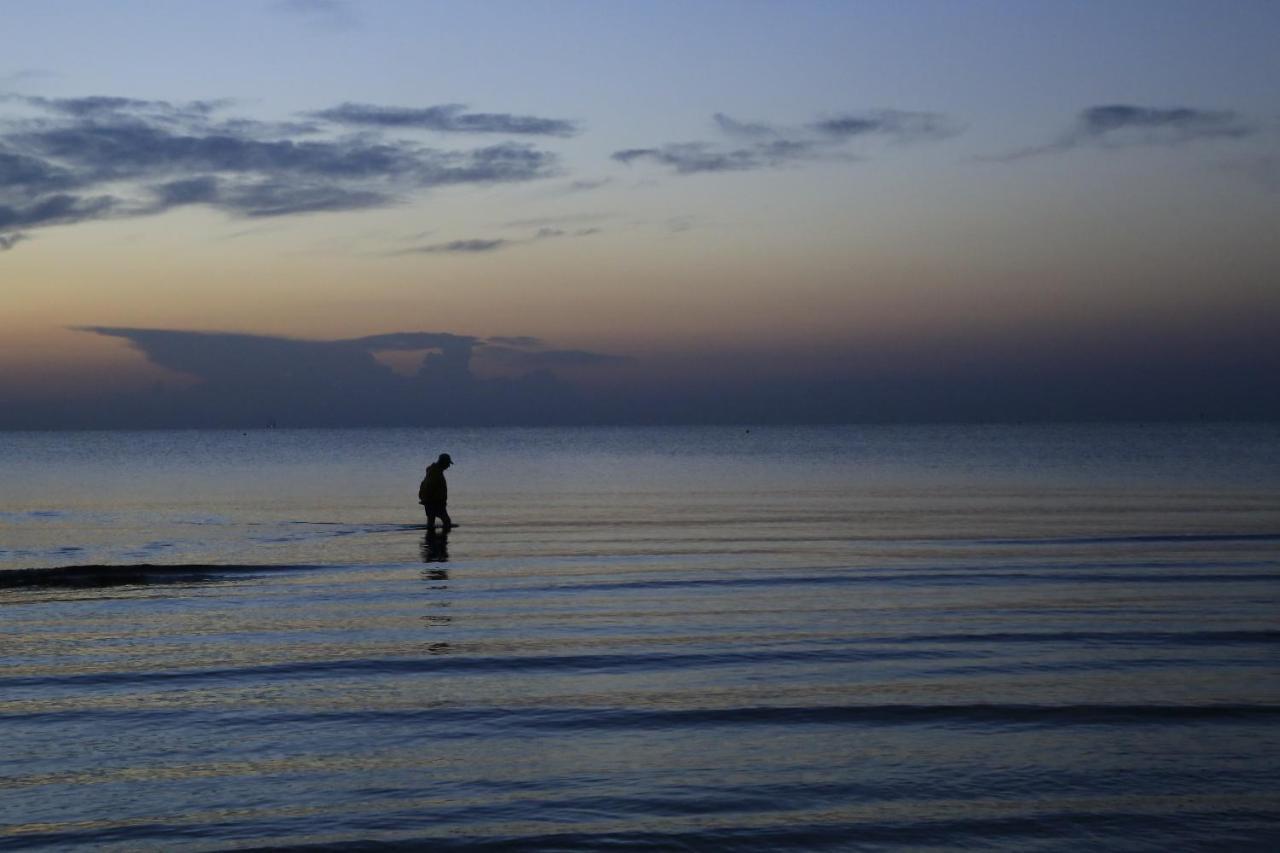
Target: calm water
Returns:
[[1012, 638]]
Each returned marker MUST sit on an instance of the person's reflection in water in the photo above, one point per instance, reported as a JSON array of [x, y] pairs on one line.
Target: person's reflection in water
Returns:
[[434, 547]]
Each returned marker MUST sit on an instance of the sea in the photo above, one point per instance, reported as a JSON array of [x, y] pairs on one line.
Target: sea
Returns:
[[926, 637]]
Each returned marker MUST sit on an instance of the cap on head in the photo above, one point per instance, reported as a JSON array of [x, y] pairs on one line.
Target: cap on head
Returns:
[[445, 459]]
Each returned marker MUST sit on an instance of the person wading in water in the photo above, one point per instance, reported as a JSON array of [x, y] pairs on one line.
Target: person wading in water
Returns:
[[433, 494]]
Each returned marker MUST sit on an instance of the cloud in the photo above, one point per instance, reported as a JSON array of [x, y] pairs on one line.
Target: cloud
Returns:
[[57, 209], [530, 359], [1179, 124], [411, 341], [32, 175], [97, 106], [688, 158], [734, 127], [472, 246], [445, 118], [282, 198], [480, 245], [231, 359], [547, 233], [255, 380], [520, 341], [101, 156], [896, 125], [265, 198], [104, 150], [235, 380], [329, 13], [1125, 125], [8, 241], [200, 190], [764, 145]]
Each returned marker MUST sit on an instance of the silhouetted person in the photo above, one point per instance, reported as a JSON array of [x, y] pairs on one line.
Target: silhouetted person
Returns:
[[433, 493]]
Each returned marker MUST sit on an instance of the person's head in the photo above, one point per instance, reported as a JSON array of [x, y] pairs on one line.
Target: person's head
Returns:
[[445, 460]]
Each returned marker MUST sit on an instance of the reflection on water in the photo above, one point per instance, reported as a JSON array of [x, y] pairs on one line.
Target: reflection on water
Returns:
[[434, 547]]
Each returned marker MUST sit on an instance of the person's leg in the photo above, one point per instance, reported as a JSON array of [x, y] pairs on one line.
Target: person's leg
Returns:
[[444, 518], [431, 520]]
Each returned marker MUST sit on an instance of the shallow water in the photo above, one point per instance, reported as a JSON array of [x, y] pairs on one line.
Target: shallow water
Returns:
[[924, 637]]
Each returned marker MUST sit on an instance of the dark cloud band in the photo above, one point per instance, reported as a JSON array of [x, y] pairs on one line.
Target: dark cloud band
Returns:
[[444, 118], [1126, 125], [1177, 124], [97, 157], [473, 246]]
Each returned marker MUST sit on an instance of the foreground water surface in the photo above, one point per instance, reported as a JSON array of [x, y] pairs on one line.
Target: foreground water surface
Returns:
[[1014, 638]]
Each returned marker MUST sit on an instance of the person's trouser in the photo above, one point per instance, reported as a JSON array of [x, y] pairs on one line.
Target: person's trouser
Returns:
[[435, 511]]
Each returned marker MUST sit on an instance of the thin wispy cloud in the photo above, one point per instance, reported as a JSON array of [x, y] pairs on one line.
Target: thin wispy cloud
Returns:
[[57, 209], [763, 145], [750, 129], [484, 245], [688, 158], [471, 246], [898, 126], [331, 14], [1127, 126], [104, 106], [444, 118], [68, 160], [547, 233]]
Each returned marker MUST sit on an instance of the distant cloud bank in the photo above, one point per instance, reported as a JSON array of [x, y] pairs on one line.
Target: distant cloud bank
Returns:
[[258, 380], [424, 378]]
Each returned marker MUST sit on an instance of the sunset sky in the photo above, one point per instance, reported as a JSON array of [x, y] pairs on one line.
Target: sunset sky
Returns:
[[682, 211]]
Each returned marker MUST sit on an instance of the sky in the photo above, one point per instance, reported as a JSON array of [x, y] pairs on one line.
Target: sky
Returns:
[[319, 212]]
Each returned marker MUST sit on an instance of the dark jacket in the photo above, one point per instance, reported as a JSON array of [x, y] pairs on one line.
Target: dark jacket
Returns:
[[433, 491]]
